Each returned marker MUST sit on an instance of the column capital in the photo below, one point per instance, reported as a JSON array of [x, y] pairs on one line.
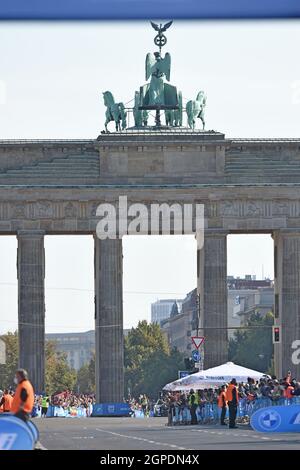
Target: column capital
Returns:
[[215, 232], [31, 233], [286, 232]]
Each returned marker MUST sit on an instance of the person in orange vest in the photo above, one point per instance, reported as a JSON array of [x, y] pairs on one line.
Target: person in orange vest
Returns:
[[6, 401], [232, 397], [222, 404], [24, 396], [289, 391]]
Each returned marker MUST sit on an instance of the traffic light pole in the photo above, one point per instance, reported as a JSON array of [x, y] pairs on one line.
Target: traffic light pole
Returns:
[[198, 313]]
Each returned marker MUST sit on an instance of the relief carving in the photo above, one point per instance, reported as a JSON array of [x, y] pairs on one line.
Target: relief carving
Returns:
[[70, 210], [18, 211], [253, 210], [228, 209], [280, 208], [44, 209], [93, 209]]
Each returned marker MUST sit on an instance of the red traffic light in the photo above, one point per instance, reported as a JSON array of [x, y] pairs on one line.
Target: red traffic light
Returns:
[[276, 334]]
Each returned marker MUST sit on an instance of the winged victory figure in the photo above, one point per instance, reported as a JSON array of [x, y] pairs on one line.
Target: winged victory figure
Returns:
[[158, 68]]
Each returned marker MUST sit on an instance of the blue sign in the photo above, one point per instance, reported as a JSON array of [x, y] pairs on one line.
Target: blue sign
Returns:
[[111, 409], [15, 434], [277, 419], [183, 373], [196, 355], [131, 9]]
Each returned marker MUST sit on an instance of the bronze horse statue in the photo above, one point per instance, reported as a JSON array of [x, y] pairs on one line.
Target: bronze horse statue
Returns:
[[195, 109], [114, 112]]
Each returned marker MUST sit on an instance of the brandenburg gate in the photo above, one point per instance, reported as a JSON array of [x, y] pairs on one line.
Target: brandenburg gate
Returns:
[[53, 187]]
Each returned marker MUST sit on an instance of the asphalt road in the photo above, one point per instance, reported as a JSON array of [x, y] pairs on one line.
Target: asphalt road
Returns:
[[153, 434]]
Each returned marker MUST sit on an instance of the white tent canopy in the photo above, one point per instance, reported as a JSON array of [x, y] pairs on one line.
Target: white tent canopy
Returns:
[[214, 377]]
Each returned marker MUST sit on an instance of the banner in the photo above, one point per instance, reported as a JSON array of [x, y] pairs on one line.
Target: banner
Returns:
[[133, 9], [277, 419], [111, 409], [70, 412]]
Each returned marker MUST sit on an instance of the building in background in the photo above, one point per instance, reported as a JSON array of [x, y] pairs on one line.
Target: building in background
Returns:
[[249, 282], [79, 347], [245, 296], [179, 328], [161, 309]]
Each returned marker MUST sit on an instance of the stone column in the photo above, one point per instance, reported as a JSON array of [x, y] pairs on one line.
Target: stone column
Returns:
[[287, 302], [31, 304], [212, 287], [109, 321]]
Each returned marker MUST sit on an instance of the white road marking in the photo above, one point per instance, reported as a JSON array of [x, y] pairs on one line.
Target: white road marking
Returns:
[[40, 446], [255, 436], [174, 446]]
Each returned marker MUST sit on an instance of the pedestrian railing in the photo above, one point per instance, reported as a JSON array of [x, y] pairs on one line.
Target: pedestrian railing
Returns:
[[205, 412], [64, 412], [210, 412]]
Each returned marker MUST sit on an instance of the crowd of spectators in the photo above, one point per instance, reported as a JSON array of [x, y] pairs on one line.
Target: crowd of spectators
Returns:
[[142, 405], [268, 390], [67, 401], [178, 405]]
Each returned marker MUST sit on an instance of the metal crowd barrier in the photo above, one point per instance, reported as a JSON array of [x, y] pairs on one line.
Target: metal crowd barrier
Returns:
[[210, 412], [60, 412], [206, 412]]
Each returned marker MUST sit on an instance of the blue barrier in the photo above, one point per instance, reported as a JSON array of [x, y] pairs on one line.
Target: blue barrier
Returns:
[[111, 409], [34, 431], [32, 427], [15, 434], [205, 412], [277, 419], [70, 412], [210, 412]]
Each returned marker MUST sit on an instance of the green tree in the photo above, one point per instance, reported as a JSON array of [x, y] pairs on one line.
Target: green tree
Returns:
[[86, 378], [149, 362], [7, 371], [58, 375], [253, 348]]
